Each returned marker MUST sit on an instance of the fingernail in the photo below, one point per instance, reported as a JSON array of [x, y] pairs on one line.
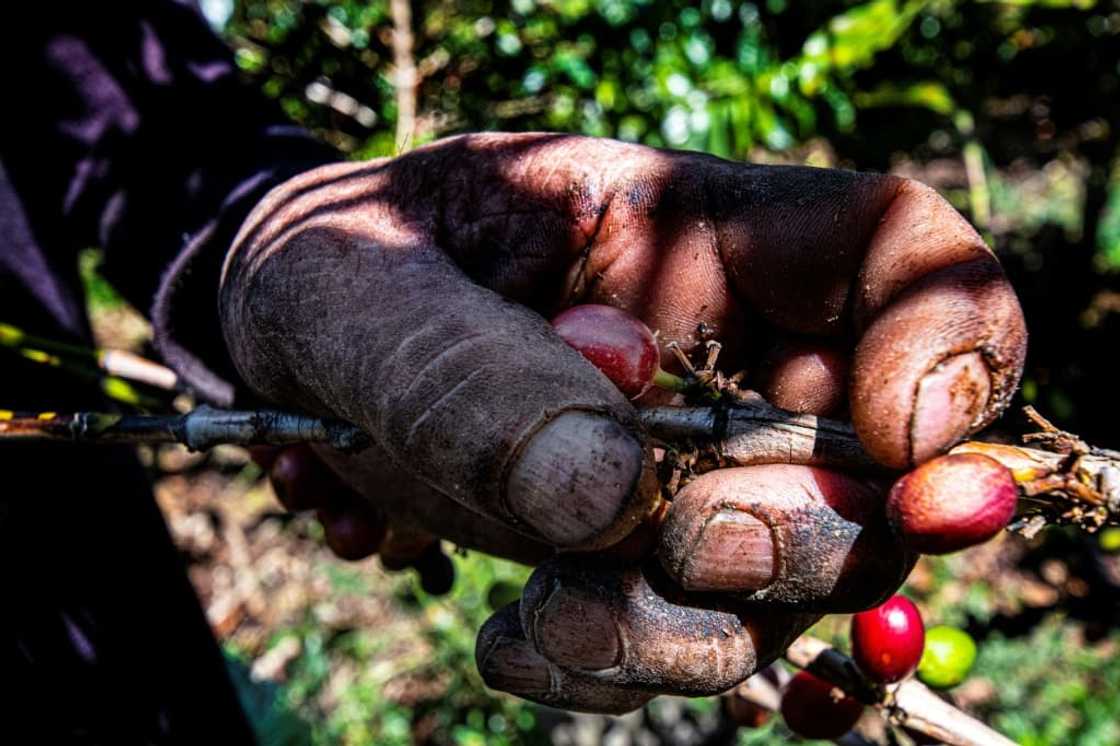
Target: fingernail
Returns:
[[575, 479], [949, 399], [511, 665], [735, 552], [577, 631]]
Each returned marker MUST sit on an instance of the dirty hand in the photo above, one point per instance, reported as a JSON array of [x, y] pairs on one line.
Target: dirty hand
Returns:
[[411, 296]]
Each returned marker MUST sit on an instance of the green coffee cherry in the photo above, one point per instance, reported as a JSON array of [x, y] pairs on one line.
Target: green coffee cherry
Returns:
[[947, 657], [1110, 540]]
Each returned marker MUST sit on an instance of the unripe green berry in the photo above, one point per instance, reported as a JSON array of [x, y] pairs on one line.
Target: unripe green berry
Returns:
[[947, 658]]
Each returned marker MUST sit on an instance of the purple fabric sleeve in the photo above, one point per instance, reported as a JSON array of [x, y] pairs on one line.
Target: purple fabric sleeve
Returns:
[[127, 128]]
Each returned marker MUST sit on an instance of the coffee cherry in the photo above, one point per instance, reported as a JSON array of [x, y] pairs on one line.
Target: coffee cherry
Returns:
[[1109, 540], [952, 502], [887, 641], [437, 572], [948, 657], [353, 530], [814, 708], [403, 546], [299, 478], [619, 345]]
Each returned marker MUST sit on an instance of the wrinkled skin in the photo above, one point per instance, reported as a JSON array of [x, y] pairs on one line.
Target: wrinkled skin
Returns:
[[410, 296]]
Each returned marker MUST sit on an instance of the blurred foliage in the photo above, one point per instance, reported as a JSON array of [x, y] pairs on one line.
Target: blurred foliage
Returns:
[[100, 295], [450, 704], [1053, 687], [470, 715], [718, 76]]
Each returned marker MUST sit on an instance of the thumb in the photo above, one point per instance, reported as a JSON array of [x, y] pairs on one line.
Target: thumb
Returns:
[[471, 394]]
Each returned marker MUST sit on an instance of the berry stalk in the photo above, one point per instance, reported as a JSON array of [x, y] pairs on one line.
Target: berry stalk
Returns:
[[910, 703], [1058, 483], [117, 364], [202, 428], [1064, 481]]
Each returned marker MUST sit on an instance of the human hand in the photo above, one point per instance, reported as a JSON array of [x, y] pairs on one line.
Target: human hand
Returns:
[[409, 297]]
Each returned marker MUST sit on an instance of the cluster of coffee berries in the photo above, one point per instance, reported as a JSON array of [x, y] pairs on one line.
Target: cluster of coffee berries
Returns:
[[949, 503], [889, 644]]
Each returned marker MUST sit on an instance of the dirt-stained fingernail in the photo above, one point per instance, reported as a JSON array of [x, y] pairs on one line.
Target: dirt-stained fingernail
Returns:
[[734, 552], [575, 630], [577, 479], [949, 399], [511, 665]]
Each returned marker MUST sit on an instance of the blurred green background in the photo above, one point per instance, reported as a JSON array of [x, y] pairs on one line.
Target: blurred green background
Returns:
[[1010, 109]]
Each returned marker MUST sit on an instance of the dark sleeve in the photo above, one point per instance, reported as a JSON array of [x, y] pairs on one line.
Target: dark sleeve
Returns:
[[126, 127]]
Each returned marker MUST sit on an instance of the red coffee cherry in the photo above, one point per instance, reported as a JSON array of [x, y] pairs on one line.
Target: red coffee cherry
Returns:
[[952, 502], [616, 343], [351, 531], [887, 641], [437, 572], [813, 708]]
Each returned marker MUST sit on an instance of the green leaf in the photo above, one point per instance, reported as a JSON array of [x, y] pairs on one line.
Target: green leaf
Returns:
[[925, 94]]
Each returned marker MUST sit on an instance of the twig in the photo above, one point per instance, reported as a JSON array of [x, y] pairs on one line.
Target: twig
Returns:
[[760, 690], [405, 76], [1078, 485], [754, 432], [910, 703], [114, 387], [119, 363], [199, 429], [979, 195]]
